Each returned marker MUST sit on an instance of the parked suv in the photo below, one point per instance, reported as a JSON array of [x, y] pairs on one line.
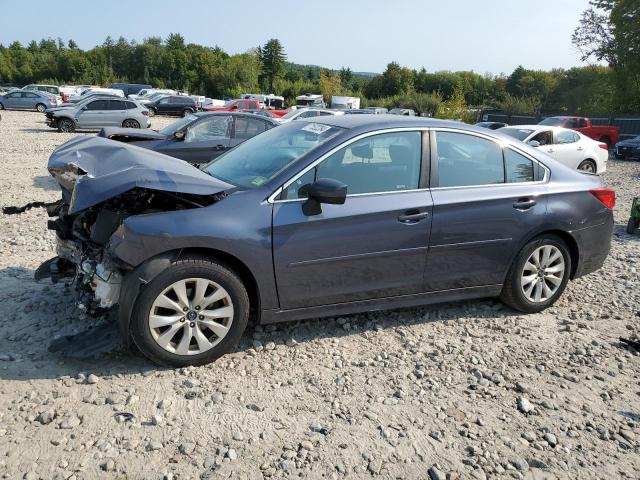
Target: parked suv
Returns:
[[101, 113], [172, 105]]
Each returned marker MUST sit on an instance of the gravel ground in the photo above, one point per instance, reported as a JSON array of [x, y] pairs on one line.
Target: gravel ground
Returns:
[[468, 390]]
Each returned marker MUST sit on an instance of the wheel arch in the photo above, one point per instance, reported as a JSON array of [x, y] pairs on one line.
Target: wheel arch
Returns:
[[571, 242], [150, 268]]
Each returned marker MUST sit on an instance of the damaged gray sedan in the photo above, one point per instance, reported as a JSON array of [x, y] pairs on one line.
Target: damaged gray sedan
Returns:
[[338, 215]]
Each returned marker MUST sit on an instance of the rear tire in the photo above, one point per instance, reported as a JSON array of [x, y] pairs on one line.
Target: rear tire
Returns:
[[66, 126], [152, 111], [130, 123], [632, 224], [550, 276], [588, 166], [185, 275], [41, 107]]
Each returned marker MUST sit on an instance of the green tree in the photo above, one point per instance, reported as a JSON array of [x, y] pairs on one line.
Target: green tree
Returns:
[[272, 59]]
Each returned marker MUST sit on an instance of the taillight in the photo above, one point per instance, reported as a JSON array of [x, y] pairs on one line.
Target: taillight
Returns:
[[603, 146], [145, 113], [606, 196]]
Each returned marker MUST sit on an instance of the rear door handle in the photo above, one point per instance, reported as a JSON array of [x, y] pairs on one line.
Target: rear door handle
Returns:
[[580, 149], [524, 204], [550, 150], [412, 216]]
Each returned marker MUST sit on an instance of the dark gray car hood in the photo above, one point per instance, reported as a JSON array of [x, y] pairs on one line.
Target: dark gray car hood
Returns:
[[134, 133], [95, 169]]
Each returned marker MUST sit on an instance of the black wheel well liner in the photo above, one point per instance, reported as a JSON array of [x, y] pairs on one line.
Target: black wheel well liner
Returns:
[[147, 271]]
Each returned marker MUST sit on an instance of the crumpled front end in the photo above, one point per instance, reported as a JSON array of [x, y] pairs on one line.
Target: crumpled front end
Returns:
[[102, 185]]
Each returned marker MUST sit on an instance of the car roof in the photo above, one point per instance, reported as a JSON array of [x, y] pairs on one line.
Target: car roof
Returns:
[[376, 122], [235, 114]]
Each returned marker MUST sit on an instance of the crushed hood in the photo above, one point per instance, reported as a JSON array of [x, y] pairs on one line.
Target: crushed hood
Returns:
[[95, 169], [133, 133]]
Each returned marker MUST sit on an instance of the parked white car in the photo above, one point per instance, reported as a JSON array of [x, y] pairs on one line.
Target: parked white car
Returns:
[[299, 113], [109, 91], [567, 146]]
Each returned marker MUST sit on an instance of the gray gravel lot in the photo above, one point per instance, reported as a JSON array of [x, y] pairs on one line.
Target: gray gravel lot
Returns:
[[468, 390]]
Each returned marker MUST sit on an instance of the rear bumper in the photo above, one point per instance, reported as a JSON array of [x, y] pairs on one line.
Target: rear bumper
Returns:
[[594, 244]]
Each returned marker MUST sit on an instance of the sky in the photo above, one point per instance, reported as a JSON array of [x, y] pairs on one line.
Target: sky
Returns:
[[488, 36]]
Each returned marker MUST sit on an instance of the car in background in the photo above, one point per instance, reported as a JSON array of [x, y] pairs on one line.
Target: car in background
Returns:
[[377, 110], [358, 111], [310, 100], [303, 113], [99, 113], [403, 111], [147, 92], [129, 88], [569, 147], [196, 138], [35, 87], [492, 125], [28, 100], [89, 91], [263, 113], [179, 105], [628, 149], [324, 217], [603, 133]]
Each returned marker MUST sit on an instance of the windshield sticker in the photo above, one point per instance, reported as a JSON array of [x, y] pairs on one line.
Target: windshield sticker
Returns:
[[258, 181], [316, 128]]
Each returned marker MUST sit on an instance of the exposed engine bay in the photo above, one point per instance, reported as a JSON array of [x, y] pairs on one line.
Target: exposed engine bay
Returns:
[[104, 183]]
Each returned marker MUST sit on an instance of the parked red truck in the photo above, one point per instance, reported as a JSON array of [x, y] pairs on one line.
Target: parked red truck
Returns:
[[603, 133], [243, 105]]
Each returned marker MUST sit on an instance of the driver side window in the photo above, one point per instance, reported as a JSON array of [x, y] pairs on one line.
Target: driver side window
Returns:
[[387, 162], [212, 128]]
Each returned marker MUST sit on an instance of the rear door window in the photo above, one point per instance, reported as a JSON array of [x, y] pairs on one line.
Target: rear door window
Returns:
[[465, 160], [249, 127], [97, 105], [116, 105], [567, 137]]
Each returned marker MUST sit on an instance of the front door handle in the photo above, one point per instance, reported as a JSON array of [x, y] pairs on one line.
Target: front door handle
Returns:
[[412, 216], [524, 204], [580, 149]]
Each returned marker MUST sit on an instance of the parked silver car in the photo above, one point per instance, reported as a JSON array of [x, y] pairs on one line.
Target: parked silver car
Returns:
[[99, 113], [26, 100]]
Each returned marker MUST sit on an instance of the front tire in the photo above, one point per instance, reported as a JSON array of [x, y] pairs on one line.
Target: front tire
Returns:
[[41, 107], [192, 313], [588, 166], [66, 126], [632, 224], [538, 276]]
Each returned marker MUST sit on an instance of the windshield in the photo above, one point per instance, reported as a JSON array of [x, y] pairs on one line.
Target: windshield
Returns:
[[179, 125], [519, 133], [256, 161], [553, 122]]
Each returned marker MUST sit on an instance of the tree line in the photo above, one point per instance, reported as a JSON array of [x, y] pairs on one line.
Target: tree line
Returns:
[[607, 32]]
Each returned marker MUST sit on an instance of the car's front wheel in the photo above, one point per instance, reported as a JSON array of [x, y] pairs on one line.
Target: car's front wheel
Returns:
[[190, 314], [65, 125], [538, 275]]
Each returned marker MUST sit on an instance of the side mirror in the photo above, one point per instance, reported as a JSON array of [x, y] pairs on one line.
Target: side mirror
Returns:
[[533, 143], [324, 190], [84, 108], [179, 135]]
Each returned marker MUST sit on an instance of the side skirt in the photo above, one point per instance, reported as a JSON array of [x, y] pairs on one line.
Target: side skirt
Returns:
[[387, 303]]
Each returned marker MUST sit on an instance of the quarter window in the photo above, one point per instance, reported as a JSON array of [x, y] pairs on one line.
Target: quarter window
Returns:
[[465, 160], [517, 167]]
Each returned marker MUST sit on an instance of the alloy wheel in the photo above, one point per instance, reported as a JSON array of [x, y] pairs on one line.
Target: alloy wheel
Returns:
[[542, 273], [131, 124], [587, 167], [191, 316]]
